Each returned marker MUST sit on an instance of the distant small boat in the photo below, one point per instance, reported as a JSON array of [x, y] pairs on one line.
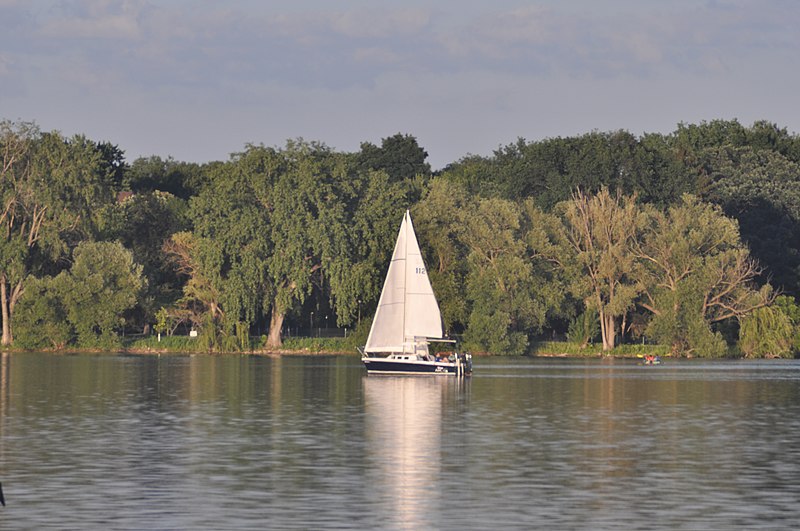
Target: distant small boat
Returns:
[[650, 359], [408, 319]]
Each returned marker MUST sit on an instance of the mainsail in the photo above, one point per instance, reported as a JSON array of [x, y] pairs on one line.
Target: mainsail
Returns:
[[407, 311]]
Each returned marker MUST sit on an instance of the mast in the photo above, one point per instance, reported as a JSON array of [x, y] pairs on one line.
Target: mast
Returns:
[[406, 219]]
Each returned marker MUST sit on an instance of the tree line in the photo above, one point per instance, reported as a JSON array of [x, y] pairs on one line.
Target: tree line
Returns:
[[690, 239]]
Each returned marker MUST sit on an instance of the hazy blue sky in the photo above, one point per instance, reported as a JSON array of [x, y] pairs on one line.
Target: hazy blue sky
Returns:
[[198, 80]]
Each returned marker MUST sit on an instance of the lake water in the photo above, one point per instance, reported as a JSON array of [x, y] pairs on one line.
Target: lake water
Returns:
[[203, 442]]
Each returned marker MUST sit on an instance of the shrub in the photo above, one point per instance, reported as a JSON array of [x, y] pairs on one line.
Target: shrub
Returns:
[[766, 333]]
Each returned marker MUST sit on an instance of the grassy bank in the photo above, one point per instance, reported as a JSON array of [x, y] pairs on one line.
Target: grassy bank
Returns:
[[294, 345], [563, 348], [340, 345]]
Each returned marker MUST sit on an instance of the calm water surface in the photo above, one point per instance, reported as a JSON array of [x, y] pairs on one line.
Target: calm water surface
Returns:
[[202, 442]]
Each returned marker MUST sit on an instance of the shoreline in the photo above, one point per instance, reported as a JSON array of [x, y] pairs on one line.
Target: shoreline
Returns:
[[544, 350], [274, 353], [277, 353]]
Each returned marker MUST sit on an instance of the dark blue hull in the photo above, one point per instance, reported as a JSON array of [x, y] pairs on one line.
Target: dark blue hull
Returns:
[[400, 367], [391, 366]]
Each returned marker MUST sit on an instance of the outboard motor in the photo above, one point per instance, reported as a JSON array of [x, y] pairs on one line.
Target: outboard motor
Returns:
[[468, 363]]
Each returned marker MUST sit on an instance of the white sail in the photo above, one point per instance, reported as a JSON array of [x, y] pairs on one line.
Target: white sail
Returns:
[[407, 310]]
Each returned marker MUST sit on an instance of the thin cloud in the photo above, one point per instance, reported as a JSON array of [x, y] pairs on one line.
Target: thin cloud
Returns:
[[96, 19], [379, 23], [597, 42], [457, 72]]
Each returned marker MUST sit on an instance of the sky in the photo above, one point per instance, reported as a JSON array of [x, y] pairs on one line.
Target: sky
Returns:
[[198, 80]]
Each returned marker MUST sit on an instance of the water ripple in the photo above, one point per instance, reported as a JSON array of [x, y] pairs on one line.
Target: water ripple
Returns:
[[110, 442]]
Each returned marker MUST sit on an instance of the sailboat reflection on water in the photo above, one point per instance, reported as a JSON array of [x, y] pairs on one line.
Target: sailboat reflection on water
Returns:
[[404, 450]]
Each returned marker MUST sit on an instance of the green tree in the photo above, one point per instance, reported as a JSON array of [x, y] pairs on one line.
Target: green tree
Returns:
[[549, 170], [440, 220], [788, 305], [200, 304], [764, 135], [225, 256], [761, 190], [308, 228], [695, 272], [400, 156], [143, 223], [766, 333], [112, 164], [511, 286], [600, 232], [101, 285], [690, 141], [40, 319], [272, 226], [584, 328], [499, 280], [358, 242], [51, 190], [16, 143], [476, 175], [149, 174]]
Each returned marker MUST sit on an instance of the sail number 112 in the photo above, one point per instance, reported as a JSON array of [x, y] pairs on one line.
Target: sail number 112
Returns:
[[419, 270]]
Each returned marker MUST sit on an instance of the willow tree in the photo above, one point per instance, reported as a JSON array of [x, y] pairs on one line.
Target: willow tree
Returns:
[[225, 255], [767, 333], [357, 240], [600, 232], [303, 211], [272, 224], [49, 187], [331, 227]]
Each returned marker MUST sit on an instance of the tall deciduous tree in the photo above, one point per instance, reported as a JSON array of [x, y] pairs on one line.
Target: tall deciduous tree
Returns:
[[16, 144], [200, 303], [50, 188], [694, 272], [357, 245], [500, 279], [513, 286], [181, 179], [600, 231], [324, 219], [492, 247], [298, 210]]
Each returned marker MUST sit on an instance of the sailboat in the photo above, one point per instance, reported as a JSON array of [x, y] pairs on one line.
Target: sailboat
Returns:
[[408, 318]]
